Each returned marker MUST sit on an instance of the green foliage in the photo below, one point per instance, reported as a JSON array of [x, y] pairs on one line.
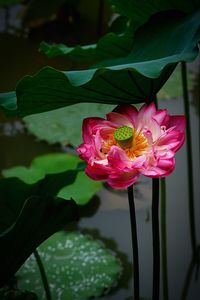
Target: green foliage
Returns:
[[29, 215], [131, 79], [14, 294], [32, 210], [81, 189], [113, 44], [109, 46], [27, 175], [77, 268], [141, 11]]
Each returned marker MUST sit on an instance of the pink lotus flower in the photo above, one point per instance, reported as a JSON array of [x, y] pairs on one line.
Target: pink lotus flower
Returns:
[[130, 143]]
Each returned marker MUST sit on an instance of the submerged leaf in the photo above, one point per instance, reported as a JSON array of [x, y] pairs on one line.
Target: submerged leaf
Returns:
[[77, 268]]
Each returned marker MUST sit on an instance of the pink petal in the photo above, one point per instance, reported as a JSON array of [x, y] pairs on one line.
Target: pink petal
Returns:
[[118, 159], [118, 119], [146, 111], [163, 168], [97, 171], [129, 111], [173, 140], [85, 151], [123, 180], [90, 127], [179, 122], [160, 116], [146, 122]]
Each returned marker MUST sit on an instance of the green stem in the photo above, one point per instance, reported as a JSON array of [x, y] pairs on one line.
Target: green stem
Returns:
[[134, 242], [43, 275], [164, 238], [189, 158], [156, 239]]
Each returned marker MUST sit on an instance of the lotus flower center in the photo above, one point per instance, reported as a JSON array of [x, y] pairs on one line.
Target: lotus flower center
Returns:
[[124, 136]]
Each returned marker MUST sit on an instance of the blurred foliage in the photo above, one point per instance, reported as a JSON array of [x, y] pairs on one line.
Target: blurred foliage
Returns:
[[81, 190], [54, 126], [15, 294], [9, 2]]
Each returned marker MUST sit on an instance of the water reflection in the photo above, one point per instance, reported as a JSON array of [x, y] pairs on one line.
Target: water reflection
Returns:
[[192, 274]]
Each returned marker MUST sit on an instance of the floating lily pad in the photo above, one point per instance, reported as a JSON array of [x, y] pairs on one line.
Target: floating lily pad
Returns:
[[77, 268]]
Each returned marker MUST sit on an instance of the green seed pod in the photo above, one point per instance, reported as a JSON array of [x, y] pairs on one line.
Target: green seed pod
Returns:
[[124, 136]]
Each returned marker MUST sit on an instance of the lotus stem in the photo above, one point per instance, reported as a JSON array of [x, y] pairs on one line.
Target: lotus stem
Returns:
[[189, 158], [156, 239], [134, 243], [43, 275], [164, 238]]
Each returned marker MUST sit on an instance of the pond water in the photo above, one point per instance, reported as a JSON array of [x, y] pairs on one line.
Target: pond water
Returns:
[[106, 217]]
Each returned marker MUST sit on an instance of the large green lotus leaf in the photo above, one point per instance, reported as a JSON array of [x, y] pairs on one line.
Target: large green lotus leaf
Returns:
[[158, 46], [162, 40], [109, 46], [53, 126], [31, 214], [82, 189], [132, 79], [113, 45], [13, 188], [77, 268], [140, 11]]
